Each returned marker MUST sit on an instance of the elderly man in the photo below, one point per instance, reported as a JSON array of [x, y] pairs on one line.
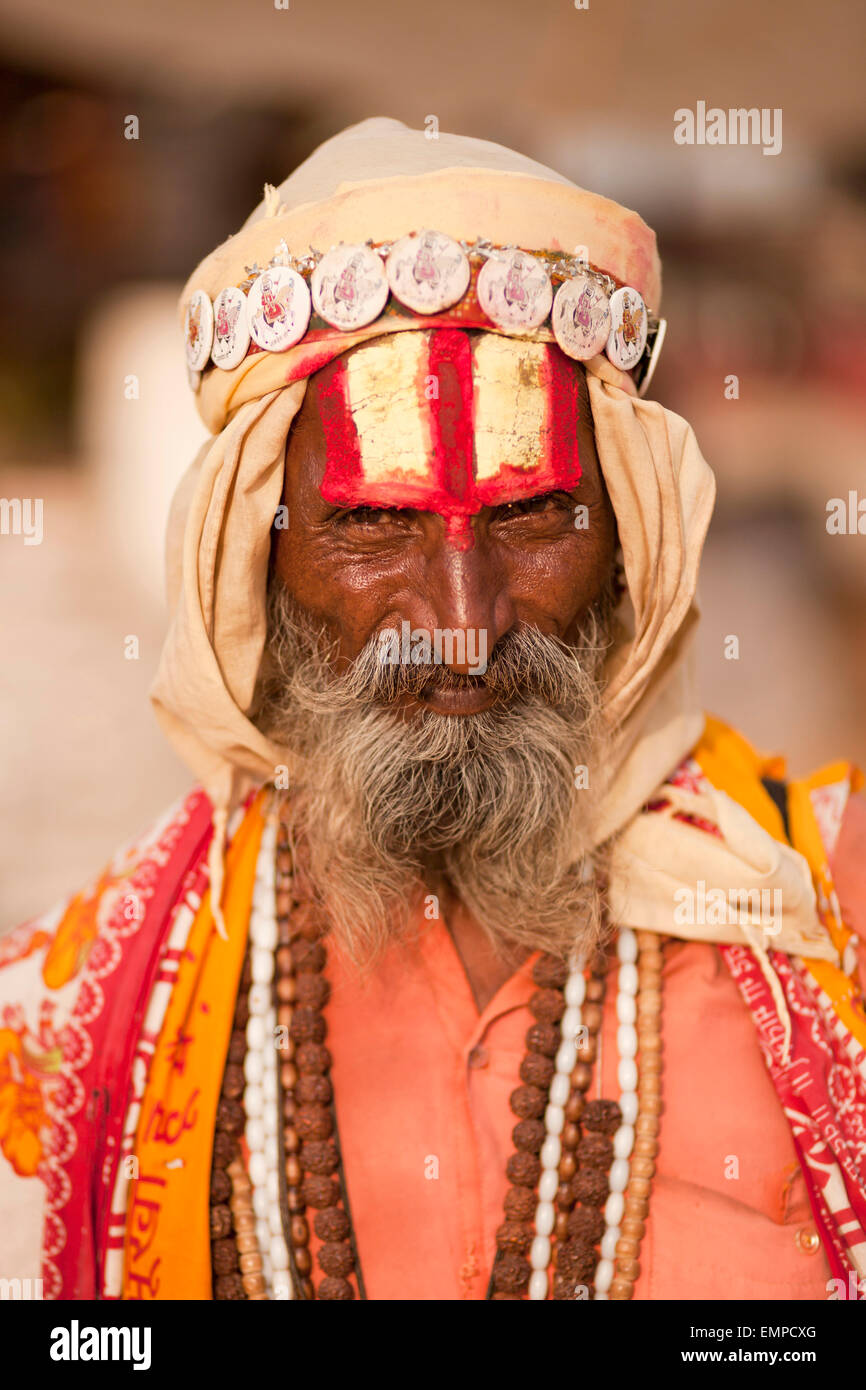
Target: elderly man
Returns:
[[481, 963]]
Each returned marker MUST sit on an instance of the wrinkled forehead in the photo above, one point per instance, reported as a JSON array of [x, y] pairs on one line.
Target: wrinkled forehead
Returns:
[[448, 421]]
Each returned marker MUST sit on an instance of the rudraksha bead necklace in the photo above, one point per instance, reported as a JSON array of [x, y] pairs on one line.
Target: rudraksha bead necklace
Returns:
[[235, 1257], [581, 1171]]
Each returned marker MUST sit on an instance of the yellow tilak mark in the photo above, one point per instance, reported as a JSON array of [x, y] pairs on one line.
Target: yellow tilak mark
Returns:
[[393, 424], [510, 403]]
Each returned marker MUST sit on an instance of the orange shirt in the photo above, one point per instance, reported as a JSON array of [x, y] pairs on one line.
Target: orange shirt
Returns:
[[422, 1084]]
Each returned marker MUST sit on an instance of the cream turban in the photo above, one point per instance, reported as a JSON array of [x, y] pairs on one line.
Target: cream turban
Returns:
[[381, 180]]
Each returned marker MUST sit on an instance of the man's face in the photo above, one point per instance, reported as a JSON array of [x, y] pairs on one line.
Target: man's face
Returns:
[[519, 561], [444, 766]]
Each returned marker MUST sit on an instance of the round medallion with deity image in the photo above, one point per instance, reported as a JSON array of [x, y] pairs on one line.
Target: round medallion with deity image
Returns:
[[278, 308], [350, 287], [198, 330], [428, 271], [581, 317], [514, 291], [628, 328], [231, 336]]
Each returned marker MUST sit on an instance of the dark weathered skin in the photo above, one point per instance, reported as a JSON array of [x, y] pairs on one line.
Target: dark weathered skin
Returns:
[[358, 572]]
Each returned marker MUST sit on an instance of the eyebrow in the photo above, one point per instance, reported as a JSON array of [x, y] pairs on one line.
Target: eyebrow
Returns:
[[490, 506]]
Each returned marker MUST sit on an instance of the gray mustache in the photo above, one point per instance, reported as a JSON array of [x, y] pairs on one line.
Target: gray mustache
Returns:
[[525, 663]]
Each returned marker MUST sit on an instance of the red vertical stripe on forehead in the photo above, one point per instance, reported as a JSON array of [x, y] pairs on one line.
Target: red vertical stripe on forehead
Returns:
[[343, 478], [562, 384], [449, 361]]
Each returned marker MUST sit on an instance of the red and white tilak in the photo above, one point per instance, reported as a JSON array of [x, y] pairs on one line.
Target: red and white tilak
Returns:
[[448, 421]]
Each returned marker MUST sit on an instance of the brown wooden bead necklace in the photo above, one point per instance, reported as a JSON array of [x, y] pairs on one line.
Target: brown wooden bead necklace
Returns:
[[311, 1169]]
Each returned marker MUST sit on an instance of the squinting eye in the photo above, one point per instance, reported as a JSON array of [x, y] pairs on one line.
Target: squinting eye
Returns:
[[545, 502], [364, 516]]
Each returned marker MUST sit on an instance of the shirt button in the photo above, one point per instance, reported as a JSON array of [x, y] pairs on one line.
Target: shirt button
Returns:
[[808, 1240], [478, 1057]]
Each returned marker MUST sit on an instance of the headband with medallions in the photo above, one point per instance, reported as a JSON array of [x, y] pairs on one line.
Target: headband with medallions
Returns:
[[434, 277]]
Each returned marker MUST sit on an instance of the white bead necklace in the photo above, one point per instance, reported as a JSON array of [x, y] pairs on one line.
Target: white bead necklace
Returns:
[[261, 1092], [554, 1118], [260, 1073], [623, 1139]]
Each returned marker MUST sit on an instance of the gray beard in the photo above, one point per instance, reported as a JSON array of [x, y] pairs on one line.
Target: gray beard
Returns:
[[489, 799]]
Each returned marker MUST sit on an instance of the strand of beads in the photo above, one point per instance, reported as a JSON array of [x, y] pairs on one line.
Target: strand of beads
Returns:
[[296, 1229], [567, 1009], [583, 1168], [236, 1274], [649, 947], [313, 1160], [591, 1186], [260, 1071], [244, 1220], [572, 1074], [627, 986], [556, 1072], [551, 1150], [522, 1250]]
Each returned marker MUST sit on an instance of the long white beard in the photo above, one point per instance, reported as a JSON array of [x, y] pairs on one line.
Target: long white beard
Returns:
[[498, 800]]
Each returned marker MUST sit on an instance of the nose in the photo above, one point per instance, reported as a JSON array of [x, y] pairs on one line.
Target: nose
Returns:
[[466, 592]]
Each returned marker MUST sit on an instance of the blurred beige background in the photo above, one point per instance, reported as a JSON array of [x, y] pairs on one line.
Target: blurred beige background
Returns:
[[765, 279]]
